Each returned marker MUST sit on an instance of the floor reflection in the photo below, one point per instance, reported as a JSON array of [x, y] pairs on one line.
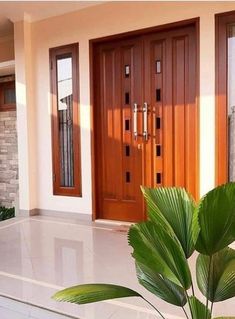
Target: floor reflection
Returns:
[[40, 255], [68, 261]]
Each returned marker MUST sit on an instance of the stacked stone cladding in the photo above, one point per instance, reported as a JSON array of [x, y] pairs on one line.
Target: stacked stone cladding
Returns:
[[8, 159]]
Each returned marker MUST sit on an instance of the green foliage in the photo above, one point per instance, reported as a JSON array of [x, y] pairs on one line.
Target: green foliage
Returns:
[[222, 275], [83, 294], [174, 208], [198, 309], [160, 286], [176, 226], [160, 251], [216, 217], [6, 213]]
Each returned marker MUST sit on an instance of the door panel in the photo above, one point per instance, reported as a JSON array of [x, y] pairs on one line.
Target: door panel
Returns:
[[110, 122], [120, 158], [155, 78], [170, 91], [178, 104], [146, 119]]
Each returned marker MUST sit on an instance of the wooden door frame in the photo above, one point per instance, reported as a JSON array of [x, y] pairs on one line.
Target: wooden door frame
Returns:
[[92, 44], [221, 113]]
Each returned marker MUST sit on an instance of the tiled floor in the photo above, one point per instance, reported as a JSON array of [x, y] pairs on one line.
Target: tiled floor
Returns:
[[40, 255], [13, 309]]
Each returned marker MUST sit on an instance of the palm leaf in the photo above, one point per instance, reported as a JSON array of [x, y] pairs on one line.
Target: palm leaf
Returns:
[[83, 294], [155, 248], [222, 278], [198, 309], [160, 286], [216, 218], [172, 208], [224, 318], [195, 226]]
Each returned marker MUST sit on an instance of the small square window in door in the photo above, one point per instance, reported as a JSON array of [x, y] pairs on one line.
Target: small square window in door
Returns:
[[128, 177], [158, 123], [158, 178], [127, 98], [158, 66], [127, 150], [158, 150], [127, 71], [127, 125], [158, 95]]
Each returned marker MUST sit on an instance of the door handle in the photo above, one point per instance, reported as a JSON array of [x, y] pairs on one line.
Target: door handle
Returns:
[[135, 111], [145, 121]]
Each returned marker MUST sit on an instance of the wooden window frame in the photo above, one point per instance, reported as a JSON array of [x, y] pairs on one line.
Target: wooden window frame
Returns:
[[221, 52], [3, 106], [63, 51]]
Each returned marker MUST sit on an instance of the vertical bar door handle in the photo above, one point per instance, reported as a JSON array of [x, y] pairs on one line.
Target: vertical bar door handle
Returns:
[[145, 121], [135, 110]]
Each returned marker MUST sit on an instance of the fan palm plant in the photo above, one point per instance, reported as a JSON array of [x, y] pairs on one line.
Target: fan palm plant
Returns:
[[175, 229]]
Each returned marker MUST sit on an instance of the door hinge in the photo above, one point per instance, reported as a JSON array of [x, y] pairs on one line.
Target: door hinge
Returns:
[[54, 178], [51, 65]]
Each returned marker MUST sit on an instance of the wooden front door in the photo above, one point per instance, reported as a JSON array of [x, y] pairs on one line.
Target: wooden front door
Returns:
[[145, 119]]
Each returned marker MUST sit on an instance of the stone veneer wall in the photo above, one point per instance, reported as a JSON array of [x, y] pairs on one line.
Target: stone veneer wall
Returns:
[[8, 159]]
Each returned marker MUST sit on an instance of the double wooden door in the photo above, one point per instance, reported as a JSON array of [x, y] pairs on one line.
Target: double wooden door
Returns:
[[145, 119]]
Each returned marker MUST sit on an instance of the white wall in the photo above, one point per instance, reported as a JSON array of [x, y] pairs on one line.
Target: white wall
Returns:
[[99, 21], [26, 127]]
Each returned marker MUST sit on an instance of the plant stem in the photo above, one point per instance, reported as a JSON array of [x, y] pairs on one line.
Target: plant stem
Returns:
[[185, 313], [187, 296], [192, 288], [208, 287], [212, 304], [153, 307]]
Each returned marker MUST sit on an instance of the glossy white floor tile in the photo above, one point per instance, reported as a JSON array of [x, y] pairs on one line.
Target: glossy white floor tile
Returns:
[[13, 309], [40, 255]]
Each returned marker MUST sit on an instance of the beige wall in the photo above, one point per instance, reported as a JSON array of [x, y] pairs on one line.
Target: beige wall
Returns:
[[26, 113], [6, 48], [99, 21]]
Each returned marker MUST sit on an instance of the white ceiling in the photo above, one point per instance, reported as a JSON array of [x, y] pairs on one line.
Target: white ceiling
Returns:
[[36, 10]]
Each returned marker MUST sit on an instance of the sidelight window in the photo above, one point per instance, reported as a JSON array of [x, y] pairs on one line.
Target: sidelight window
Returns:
[[65, 120], [7, 93], [231, 101]]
